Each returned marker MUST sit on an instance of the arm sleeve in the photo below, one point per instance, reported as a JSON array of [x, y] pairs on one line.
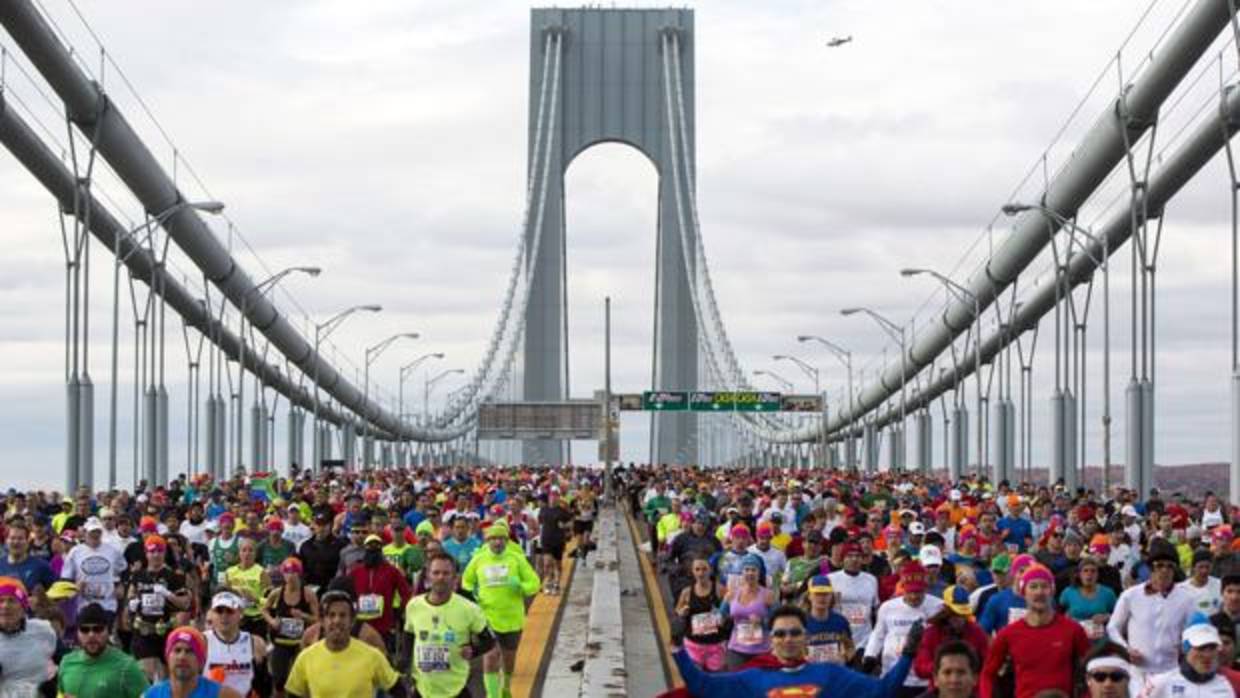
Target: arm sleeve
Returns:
[[888, 684], [530, 583], [1118, 621], [134, 680], [700, 683], [994, 661], [385, 676], [923, 665], [874, 646]]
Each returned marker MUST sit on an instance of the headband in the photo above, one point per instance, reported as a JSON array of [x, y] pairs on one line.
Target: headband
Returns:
[[1108, 662]]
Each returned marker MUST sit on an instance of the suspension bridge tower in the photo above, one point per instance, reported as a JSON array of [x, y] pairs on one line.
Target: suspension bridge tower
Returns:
[[612, 86]]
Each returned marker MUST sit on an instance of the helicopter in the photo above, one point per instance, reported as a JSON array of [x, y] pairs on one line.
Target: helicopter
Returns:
[[839, 41]]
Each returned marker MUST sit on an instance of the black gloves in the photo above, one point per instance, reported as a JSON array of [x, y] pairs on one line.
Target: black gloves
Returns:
[[913, 640], [870, 665]]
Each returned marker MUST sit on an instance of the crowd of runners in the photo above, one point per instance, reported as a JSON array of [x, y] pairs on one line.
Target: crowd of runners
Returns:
[[346, 584], [827, 583], [777, 583]]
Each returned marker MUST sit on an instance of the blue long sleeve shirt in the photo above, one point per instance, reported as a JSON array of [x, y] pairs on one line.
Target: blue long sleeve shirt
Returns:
[[998, 611], [811, 679]]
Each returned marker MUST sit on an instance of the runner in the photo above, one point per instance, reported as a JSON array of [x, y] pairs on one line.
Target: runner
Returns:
[[339, 665], [288, 610], [234, 657], [27, 645], [98, 670], [248, 580], [698, 609], [186, 652], [95, 567], [501, 577], [156, 594], [378, 585], [446, 631]]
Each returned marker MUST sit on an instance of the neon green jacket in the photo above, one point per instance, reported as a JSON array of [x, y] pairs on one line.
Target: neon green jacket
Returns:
[[501, 583]]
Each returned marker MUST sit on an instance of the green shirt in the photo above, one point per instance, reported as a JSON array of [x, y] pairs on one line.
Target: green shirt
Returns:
[[406, 558], [112, 674], [439, 633], [270, 556], [501, 583]]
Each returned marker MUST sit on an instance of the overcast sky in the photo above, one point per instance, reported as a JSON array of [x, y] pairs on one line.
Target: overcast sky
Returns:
[[386, 142]]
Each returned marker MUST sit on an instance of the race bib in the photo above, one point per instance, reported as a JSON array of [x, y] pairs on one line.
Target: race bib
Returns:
[[1093, 630], [1015, 614], [221, 579], [704, 623], [856, 614], [152, 604], [495, 575], [826, 653], [749, 632], [432, 657], [292, 627], [370, 604]]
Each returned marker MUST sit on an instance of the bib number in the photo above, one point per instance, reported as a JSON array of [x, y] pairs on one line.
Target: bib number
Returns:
[[292, 627], [495, 575], [749, 633], [432, 657], [856, 615], [1093, 630], [704, 623], [1016, 614], [826, 653], [152, 604], [370, 605]]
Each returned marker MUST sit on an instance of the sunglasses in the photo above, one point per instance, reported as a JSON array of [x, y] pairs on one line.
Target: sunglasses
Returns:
[[1112, 676], [92, 629], [787, 632]]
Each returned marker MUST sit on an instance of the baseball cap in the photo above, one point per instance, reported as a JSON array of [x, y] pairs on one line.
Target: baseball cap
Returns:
[[820, 584], [372, 538], [930, 556], [92, 524], [1200, 635], [917, 528], [227, 599]]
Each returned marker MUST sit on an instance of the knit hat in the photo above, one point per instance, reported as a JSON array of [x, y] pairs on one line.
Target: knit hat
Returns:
[[498, 529], [1001, 563], [154, 543], [740, 530], [1034, 573], [752, 560], [1022, 561], [190, 636], [291, 564], [11, 586]]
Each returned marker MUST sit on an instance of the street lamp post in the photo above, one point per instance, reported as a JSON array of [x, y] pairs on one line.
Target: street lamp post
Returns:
[[844, 356], [965, 294], [261, 289], [783, 382], [373, 353], [816, 375], [1104, 264], [212, 207], [405, 371], [896, 333], [429, 386], [322, 331]]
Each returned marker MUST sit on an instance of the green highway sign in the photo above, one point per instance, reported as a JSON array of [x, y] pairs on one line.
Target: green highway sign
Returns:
[[701, 401]]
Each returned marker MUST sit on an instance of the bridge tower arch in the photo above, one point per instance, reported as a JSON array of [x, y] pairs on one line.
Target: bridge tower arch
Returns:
[[611, 89]]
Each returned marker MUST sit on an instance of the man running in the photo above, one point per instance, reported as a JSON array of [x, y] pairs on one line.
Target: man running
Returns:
[[95, 567], [339, 665], [186, 652], [98, 670], [156, 593], [234, 657], [446, 631], [500, 577], [27, 645]]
